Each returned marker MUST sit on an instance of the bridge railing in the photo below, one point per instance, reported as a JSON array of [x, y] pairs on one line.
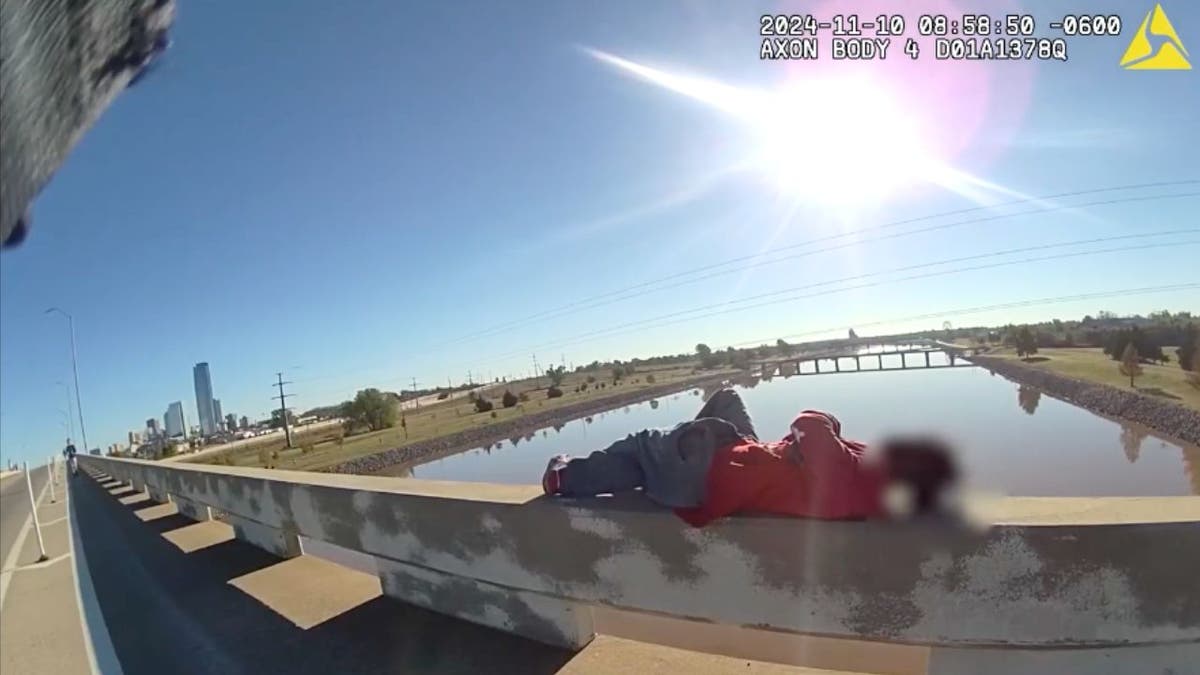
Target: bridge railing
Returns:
[[1062, 582]]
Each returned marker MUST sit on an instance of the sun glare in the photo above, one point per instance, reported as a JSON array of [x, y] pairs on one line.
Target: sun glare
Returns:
[[843, 142], [840, 142]]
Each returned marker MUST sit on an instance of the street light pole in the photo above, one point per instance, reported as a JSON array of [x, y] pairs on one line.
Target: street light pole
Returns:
[[75, 371], [70, 423]]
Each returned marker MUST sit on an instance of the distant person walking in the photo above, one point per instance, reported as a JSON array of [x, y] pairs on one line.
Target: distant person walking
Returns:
[[715, 466], [69, 455]]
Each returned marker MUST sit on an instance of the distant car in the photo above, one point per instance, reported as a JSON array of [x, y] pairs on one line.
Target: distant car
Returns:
[[94, 451]]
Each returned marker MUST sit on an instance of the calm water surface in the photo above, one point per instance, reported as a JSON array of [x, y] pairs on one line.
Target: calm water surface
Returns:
[[1011, 439]]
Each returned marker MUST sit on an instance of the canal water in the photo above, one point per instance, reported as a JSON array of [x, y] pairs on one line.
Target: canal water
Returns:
[[1010, 439]]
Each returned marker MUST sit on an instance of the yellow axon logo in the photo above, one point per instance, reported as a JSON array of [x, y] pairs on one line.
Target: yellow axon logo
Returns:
[[1156, 45]]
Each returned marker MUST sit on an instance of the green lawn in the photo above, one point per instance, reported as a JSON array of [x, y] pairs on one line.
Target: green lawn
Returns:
[[448, 417], [1167, 381]]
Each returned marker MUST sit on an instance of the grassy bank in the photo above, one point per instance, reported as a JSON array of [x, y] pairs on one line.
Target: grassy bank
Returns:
[[454, 417], [1168, 381]]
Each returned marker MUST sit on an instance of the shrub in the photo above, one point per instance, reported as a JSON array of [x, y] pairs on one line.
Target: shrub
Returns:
[[650, 378], [509, 399], [483, 405], [591, 379], [553, 392], [524, 396], [306, 448], [583, 387], [493, 412]]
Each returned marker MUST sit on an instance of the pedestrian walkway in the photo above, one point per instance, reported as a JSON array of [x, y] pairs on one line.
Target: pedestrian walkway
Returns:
[[40, 626]]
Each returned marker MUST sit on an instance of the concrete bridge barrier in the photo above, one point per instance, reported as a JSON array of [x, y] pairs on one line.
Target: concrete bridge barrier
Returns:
[[1058, 583]]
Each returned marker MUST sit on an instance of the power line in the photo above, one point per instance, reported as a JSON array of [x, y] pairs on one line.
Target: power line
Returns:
[[608, 297], [843, 235], [641, 324], [974, 310], [835, 248], [731, 306], [988, 308]]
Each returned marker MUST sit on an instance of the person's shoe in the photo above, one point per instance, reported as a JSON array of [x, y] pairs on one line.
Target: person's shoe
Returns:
[[552, 479]]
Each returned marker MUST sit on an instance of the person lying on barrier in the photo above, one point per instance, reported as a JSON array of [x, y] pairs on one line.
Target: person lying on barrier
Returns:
[[715, 466]]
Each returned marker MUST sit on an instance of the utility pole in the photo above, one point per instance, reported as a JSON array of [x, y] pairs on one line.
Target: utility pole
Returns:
[[416, 397], [536, 372], [287, 432], [470, 382]]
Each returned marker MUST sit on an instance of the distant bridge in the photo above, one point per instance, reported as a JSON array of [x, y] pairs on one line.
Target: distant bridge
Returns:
[[858, 350]]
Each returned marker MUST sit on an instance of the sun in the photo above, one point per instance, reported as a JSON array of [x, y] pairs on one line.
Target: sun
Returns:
[[845, 142], [840, 142]]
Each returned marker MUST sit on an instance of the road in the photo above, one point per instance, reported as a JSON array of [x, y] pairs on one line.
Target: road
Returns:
[[14, 507]]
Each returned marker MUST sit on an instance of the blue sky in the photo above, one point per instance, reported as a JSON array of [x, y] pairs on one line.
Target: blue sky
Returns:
[[342, 195]]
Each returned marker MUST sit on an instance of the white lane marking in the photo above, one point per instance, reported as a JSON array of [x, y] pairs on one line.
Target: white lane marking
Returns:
[[100, 651], [37, 565], [10, 560], [55, 521]]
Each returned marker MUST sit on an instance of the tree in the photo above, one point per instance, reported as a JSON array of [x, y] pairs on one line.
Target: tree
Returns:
[[707, 358], [554, 392], [509, 399], [370, 408], [1026, 342], [1129, 363], [556, 375], [1187, 348], [785, 349], [276, 422], [483, 405]]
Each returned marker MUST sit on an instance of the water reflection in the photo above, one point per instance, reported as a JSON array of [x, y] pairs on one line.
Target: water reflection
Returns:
[[1060, 450], [1191, 467], [1131, 440], [1028, 398]]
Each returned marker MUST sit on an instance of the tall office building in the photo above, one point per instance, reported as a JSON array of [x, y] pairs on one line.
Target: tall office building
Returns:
[[231, 422], [218, 418], [152, 427], [204, 399], [173, 421]]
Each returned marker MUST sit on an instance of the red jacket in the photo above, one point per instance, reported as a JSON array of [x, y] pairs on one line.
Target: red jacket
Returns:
[[813, 473]]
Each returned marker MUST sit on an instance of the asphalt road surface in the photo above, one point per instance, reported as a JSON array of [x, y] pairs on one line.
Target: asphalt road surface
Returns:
[[14, 506]]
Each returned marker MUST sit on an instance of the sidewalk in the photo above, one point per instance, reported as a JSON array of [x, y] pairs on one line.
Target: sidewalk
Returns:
[[40, 626]]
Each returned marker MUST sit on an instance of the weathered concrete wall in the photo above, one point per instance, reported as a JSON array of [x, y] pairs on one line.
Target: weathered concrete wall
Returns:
[[1090, 578]]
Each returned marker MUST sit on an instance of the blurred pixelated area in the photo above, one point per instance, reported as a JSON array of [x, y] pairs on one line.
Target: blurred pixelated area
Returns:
[[62, 64]]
